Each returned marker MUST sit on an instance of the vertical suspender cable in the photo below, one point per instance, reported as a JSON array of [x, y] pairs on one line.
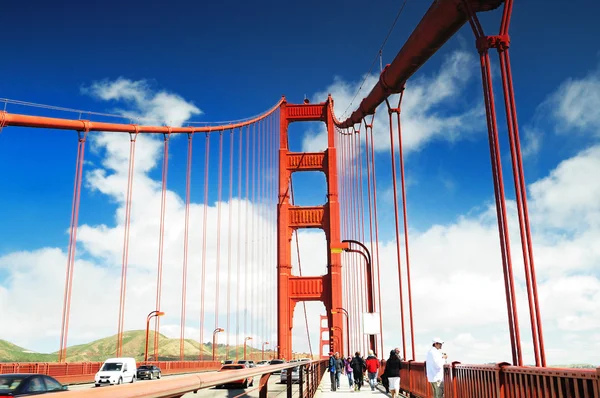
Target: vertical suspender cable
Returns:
[[391, 111], [403, 186], [229, 220], [239, 247], [161, 239], [253, 236], [126, 226], [204, 223], [246, 235], [82, 136], [219, 200], [376, 229], [188, 182]]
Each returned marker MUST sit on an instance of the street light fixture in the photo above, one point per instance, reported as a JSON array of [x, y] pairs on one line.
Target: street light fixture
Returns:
[[263, 350], [214, 344], [245, 342], [343, 311], [150, 316]]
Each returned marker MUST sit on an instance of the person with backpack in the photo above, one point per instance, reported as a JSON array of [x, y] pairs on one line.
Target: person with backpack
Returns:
[[358, 369]]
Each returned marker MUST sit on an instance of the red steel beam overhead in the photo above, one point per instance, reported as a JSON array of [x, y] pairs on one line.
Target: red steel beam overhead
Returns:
[[443, 19]]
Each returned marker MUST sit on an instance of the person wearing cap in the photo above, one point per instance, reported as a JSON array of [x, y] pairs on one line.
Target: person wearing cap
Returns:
[[435, 367], [332, 371], [372, 367]]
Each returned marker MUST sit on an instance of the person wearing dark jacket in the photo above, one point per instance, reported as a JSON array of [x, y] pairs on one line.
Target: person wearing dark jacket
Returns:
[[358, 369], [392, 372]]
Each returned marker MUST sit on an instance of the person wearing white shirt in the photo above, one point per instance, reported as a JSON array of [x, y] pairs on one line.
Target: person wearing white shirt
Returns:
[[435, 367]]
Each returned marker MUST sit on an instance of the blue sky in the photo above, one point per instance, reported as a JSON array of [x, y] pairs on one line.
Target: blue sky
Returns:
[[233, 60]]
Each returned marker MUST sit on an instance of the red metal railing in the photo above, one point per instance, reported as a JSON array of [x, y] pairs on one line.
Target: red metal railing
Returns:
[[83, 372], [502, 381]]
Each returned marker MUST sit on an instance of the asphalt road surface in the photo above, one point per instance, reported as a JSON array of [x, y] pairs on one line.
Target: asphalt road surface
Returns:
[[275, 388]]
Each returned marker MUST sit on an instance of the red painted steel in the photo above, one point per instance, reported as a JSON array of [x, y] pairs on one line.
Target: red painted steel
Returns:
[[161, 240], [10, 119], [204, 222], [186, 228], [443, 19], [391, 112], [290, 218], [82, 136], [127, 224], [405, 223]]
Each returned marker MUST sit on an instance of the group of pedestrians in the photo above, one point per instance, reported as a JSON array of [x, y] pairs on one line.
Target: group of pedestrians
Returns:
[[356, 367]]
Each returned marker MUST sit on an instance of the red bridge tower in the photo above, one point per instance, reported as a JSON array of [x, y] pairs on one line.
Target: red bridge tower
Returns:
[[325, 288]]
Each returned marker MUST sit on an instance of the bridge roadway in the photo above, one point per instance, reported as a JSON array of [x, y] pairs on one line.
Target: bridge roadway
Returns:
[[275, 389]]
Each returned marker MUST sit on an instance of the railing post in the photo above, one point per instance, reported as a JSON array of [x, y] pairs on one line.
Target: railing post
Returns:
[[501, 379], [453, 379], [301, 381], [597, 383], [289, 382], [263, 385]]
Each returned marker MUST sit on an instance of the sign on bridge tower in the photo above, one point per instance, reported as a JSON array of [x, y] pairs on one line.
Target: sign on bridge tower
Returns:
[[325, 288]]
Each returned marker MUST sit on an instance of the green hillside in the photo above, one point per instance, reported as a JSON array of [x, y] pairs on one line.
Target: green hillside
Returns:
[[10, 352], [133, 346]]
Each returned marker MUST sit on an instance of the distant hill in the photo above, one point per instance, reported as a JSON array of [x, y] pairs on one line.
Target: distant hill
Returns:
[[133, 346], [10, 352]]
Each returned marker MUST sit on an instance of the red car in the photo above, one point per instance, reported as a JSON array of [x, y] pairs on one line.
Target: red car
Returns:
[[243, 382]]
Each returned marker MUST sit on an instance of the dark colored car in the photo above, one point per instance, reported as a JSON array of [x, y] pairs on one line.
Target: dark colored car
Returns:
[[243, 382], [276, 362], [148, 372], [25, 384], [228, 362]]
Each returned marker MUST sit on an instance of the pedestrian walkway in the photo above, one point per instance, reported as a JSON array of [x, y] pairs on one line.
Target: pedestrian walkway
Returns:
[[345, 391]]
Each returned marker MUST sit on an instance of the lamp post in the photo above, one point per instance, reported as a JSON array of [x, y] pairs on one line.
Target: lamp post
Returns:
[[263, 350], [370, 301], [334, 337], [343, 311], [150, 316], [214, 345], [245, 342]]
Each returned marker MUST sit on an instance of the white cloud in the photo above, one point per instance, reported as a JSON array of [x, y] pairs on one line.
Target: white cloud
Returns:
[[423, 118], [458, 290], [571, 108], [142, 102]]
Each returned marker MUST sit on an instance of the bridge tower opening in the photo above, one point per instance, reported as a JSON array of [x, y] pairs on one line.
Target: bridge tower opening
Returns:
[[294, 289]]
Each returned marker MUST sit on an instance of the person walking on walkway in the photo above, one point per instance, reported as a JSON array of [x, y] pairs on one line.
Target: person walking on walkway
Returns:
[[332, 372], [392, 372], [339, 367], [372, 367], [358, 369], [348, 369], [435, 367]]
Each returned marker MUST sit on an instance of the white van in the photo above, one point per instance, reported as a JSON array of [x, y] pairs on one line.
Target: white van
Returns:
[[116, 371]]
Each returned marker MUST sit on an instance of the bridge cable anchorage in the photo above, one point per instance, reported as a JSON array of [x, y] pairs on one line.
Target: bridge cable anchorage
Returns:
[[204, 223], [81, 140], [161, 239], [392, 111], [378, 55], [125, 255], [502, 43], [188, 183]]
